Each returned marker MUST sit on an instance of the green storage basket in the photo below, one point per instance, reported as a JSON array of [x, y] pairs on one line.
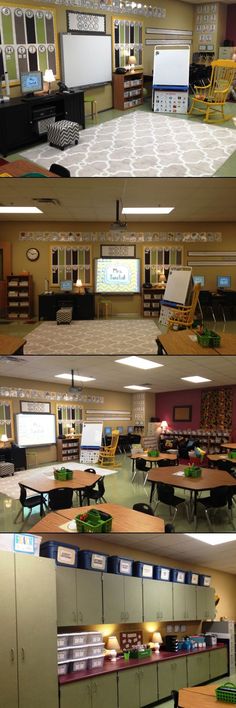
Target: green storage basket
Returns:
[[232, 455], [138, 654], [214, 339], [95, 522], [226, 692], [153, 453], [203, 340], [63, 475]]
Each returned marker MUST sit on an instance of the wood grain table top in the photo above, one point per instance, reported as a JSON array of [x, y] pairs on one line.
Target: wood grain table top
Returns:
[[18, 168], [199, 697], [125, 520], [216, 456], [229, 446], [43, 483], [210, 479], [162, 456], [183, 343], [10, 344]]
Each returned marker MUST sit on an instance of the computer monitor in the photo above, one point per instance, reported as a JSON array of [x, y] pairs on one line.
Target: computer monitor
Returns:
[[223, 281], [130, 429], [108, 431], [120, 428], [66, 285], [31, 81], [199, 280]]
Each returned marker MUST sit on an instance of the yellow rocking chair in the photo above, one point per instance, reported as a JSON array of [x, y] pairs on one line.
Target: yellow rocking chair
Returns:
[[183, 316], [107, 452], [210, 99]]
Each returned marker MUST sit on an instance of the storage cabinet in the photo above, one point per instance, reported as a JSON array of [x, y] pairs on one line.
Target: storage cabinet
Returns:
[[151, 301], [172, 675], [19, 296], [122, 598], [218, 662], [137, 687], [205, 603], [127, 90], [157, 600], [184, 602], [90, 693], [28, 648], [79, 597], [198, 669], [68, 449]]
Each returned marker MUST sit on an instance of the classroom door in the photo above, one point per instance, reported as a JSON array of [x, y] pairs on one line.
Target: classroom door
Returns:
[[8, 643]]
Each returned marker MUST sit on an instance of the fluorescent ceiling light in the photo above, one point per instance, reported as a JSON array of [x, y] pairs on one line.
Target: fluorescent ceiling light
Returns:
[[194, 379], [213, 539], [139, 388], [138, 362], [147, 210], [20, 210], [76, 377]]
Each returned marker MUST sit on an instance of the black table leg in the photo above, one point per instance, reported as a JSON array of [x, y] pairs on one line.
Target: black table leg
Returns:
[[152, 490]]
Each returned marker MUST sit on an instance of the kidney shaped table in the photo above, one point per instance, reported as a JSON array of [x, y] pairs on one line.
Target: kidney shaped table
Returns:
[[124, 520]]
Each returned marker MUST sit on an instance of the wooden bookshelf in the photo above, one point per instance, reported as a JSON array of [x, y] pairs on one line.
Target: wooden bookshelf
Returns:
[[127, 90], [19, 296], [68, 449], [209, 440], [151, 301]]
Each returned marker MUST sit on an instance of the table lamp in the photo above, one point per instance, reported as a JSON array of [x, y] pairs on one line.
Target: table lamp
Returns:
[[132, 61], [49, 78], [164, 425], [3, 440], [157, 640], [113, 647], [80, 286], [162, 278]]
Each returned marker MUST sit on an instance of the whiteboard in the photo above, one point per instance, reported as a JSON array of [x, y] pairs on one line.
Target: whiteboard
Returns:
[[171, 67], [177, 286], [91, 435], [34, 429], [85, 59]]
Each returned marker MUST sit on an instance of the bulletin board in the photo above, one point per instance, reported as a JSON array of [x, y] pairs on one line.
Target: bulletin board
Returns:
[[127, 39], [27, 41]]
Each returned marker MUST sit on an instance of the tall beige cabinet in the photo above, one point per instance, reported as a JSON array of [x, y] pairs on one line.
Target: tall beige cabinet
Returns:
[[28, 643]]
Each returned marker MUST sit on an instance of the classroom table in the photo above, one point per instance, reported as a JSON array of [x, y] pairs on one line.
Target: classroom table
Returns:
[[11, 344], [185, 342], [18, 168], [43, 483], [210, 479], [125, 520], [144, 456], [199, 697], [228, 445], [215, 457]]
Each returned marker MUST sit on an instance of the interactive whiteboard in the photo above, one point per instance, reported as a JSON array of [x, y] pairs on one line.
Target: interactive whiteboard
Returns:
[[91, 435], [34, 429], [85, 59]]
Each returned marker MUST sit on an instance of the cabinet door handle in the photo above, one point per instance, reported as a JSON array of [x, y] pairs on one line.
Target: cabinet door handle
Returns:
[[12, 655], [89, 687], [94, 687], [74, 616], [22, 653], [122, 615]]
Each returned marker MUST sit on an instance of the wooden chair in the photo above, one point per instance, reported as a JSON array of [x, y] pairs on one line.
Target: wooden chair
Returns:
[[210, 99], [107, 452], [183, 316]]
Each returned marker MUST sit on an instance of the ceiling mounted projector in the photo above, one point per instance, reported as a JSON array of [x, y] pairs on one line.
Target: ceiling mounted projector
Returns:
[[118, 224]]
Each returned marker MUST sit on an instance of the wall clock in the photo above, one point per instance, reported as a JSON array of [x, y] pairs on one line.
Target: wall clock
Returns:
[[32, 254]]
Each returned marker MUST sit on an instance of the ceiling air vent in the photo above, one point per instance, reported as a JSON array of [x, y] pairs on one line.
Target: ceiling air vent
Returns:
[[46, 200]]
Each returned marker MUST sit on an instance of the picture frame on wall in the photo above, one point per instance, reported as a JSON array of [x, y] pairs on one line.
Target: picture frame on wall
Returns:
[[115, 251], [182, 414], [85, 22], [35, 407]]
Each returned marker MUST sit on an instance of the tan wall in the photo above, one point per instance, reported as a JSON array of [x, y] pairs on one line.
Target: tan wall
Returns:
[[113, 400], [179, 15], [125, 304], [224, 583]]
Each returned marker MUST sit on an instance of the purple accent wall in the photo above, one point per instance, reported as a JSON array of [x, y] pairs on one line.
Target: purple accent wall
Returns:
[[165, 403], [231, 23]]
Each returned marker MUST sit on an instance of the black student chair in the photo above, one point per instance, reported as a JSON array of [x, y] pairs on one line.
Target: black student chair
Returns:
[[59, 170], [145, 508], [29, 503], [60, 498]]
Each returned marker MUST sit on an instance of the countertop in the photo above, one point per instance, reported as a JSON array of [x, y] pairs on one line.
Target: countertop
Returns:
[[120, 664]]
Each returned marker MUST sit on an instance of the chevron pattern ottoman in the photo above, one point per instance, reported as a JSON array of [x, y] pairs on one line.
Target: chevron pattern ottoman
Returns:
[[63, 133], [6, 469], [64, 315]]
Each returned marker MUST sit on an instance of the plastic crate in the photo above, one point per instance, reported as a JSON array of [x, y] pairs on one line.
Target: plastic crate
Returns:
[[94, 521], [96, 663], [226, 692], [232, 455], [140, 654], [63, 475], [142, 570], [63, 655], [191, 578], [62, 553], [79, 665], [119, 565], [94, 638], [77, 639], [177, 575], [203, 340], [62, 641], [95, 650], [161, 572], [91, 560], [205, 580], [62, 669], [78, 653]]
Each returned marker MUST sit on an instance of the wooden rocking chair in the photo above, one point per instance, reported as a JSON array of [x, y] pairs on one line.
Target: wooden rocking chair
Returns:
[[210, 99], [107, 452], [183, 316]]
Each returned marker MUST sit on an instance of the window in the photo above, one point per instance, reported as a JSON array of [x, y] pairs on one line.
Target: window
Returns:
[[70, 416], [6, 421], [159, 258], [70, 263]]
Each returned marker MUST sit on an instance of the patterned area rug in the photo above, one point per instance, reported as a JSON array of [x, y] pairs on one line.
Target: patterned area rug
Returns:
[[94, 337], [143, 144], [10, 485]]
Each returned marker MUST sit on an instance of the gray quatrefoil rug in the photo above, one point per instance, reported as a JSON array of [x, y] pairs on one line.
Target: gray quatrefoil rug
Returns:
[[143, 144]]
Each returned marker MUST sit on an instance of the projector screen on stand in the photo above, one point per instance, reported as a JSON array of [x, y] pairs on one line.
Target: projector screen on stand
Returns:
[[118, 276], [86, 60], [35, 429]]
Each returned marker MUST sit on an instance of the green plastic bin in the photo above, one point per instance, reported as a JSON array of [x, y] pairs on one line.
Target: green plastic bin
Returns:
[[95, 522], [226, 692]]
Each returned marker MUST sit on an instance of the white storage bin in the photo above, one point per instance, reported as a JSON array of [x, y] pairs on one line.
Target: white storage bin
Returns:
[[94, 638], [63, 669], [62, 655], [62, 641], [95, 650], [77, 640], [78, 653], [79, 665], [96, 663]]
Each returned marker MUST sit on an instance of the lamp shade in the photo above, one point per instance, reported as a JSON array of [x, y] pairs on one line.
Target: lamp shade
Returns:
[[164, 424], [4, 438], [157, 638], [112, 643], [132, 60], [78, 283], [49, 76]]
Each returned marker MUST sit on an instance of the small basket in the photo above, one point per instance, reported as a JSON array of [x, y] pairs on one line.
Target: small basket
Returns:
[[226, 692], [153, 453], [138, 654], [232, 455], [94, 521], [203, 340], [209, 339], [63, 475]]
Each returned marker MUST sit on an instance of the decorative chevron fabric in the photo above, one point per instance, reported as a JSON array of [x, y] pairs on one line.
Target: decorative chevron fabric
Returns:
[[64, 315], [6, 468], [63, 133]]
